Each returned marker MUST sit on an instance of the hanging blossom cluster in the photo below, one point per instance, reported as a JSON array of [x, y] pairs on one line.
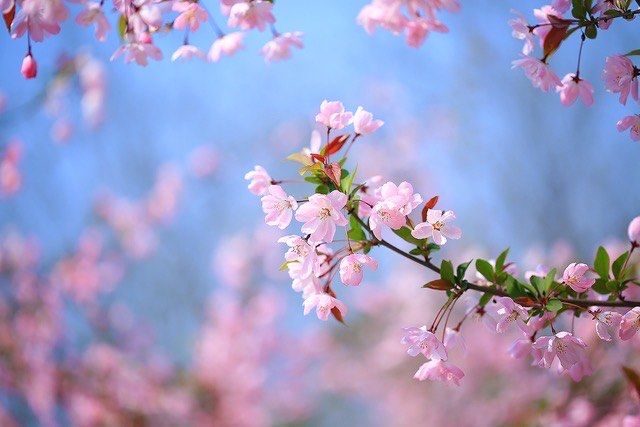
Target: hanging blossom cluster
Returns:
[[554, 27], [138, 21], [343, 220], [416, 19]]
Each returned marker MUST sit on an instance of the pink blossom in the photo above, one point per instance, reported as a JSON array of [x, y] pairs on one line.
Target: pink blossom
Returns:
[[620, 76], [395, 203], [300, 253], [542, 15], [323, 303], [260, 180], [333, 115], [363, 122], [437, 228], [632, 122], [226, 45], [454, 339], [520, 348], [437, 370], [278, 206], [321, 214], [10, 176], [538, 72], [418, 30], [540, 271], [191, 15], [510, 312], [569, 350], [521, 31], [138, 49], [368, 198], [93, 14], [29, 67], [630, 324], [187, 52], [279, 47], [634, 231], [251, 14], [572, 87], [39, 18], [608, 324], [578, 277], [420, 340], [6, 6], [382, 13], [351, 268]]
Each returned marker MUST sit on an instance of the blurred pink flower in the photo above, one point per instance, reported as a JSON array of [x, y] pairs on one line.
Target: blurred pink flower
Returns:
[[438, 370], [321, 214], [93, 14], [186, 52], [634, 231], [251, 14], [278, 206], [226, 45], [279, 47], [608, 325], [572, 87], [422, 341], [259, 180], [630, 323], [632, 122], [351, 268], [620, 76], [363, 122], [538, 72], [333, 115], [510, 312], [191, 15], [323, 303]]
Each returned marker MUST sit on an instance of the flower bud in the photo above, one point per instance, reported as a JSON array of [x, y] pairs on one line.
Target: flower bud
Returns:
[[29, 67], [634, 231]]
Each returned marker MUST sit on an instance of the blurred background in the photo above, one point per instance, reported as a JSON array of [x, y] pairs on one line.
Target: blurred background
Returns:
[[138, 235]]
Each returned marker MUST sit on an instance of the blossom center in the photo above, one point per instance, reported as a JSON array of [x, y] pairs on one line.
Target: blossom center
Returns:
[[324, 213]]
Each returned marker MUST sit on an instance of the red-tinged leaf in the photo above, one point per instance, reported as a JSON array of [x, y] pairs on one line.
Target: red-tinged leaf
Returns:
[[319, 157], [431, 203], [526, 301], [633, 377], [8, 17], [335, 145], [334, 172], [439, 285], [553, 40], [558, 22], [338, 316]]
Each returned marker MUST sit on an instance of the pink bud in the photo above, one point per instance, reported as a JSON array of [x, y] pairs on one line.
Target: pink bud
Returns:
[[634, 230], [29, 67]]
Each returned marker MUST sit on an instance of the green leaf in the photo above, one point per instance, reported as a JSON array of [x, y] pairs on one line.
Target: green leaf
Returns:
[[484, 299], [554, 305], [122, 26], [591, 31], [601, 263], [322, 189], [501, 259], [347, 181], [446, 271], [633, 52], [601, 287], [616, 268], [485, 268], [314, 179], [405, 234], [548, 281], [461, 270], [612, 285], [355, 232]]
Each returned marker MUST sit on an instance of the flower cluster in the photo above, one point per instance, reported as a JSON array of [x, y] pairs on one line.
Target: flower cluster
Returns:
[[553, 27], [363, 213]]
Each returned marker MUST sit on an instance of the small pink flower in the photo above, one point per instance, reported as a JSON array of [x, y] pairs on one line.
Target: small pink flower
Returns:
[[632, 122], [260, 180], [251, 14], [578, 277], [138, 49], [620, 76], [300, 253], [572, 87], [437, 370], [510, 312], [420, 340], [538, 72], [226, 45], [321, 214], [521, 31], [454, 339], [191, 15], [29, 67], [437, 228], [568, 349], [279, 47], [351, 268], [540, 271], [608, 325], [278, 206], [333, 115], [634, 231], [39, 18], [323, 303], [630, 324], [186, 52], [520, 348], [395, 203], [363, 122], [93, 14]]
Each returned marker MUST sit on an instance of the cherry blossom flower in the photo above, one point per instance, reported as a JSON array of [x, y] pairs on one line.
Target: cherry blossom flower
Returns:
[[510, 312], [538, 72], [437, 370], [395, 203], [226, 45], [368, 198], [540, 271], [572, 87], [437, 228], [632, 122], [191, 15], [454, 339], [420, 340], [93, 14], [300, 253], [6, 6], [138, 49], [321, 214], [418, 30], [520, 348], [351, 268], [521, 31], [323, 303], [544, 27], [187, 52], [29, 67], [568, 349], [620, 76], [630, 324], [333, 115], [260, 180], [634, 231], [251, 14], [38, 17], [608, 325], [279, 47], [278, 206], [10, 176], [578, 277], [363, 122], [381, 13]]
